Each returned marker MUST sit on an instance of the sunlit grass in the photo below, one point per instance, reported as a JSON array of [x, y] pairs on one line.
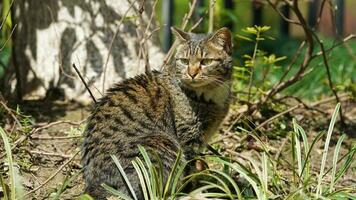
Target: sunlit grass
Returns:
[[263, 180]]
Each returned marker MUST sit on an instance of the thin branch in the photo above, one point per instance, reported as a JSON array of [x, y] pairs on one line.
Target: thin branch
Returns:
[[9, 110], [299, 105], [7, 15], [35, 130], [53, 175], [202, 17], [85, 84], [112, 44], [55, 137], [228, 130], [7, 40], [331, 85], [185, 21], [50, 154], [144, 37], [320, 12], [307, 56]]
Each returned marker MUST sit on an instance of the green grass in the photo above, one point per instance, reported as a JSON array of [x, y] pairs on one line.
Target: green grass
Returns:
[[263, 177], [315, 84], [12, 188]]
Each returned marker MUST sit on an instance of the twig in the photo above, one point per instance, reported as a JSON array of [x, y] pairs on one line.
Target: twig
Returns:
[[228, 130], [51, 154], [144, 37], [55, 137], [35, 130], [278, 115], [53, 175], [307, 56], [297, 106], [7, 15], [112, 43], [202, 17], [7, 40], [320, 12], [326, 64], [85, 84], [186, 19], [343, 41], [281, 148], [11, 113], [211, 16]]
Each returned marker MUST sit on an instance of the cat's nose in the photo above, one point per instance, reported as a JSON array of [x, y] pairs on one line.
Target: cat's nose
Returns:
[[193, 72]]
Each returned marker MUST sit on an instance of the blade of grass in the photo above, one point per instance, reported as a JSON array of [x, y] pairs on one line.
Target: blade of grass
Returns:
[[347, 164], [325, 151], [306, 161], [316, 139], [335, 157], [231, 181], [179, 174], [226, 189], [140, 177], [116, 192], [172, 174], [298, 151], [146, 177], [248, 175], [4, 188], [124, 176], [11, 166], [264, 178]]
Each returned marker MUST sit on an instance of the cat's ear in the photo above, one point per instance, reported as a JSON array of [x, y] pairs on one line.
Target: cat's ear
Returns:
[[222, 39], [181, 35]]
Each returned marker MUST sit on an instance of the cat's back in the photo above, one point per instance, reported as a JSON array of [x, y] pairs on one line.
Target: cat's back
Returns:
[[137, 111]]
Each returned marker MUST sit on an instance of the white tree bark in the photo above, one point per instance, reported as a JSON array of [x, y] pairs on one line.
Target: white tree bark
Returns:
[[53, 34]]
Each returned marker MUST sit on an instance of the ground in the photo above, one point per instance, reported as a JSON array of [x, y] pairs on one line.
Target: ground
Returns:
[[49, 169]]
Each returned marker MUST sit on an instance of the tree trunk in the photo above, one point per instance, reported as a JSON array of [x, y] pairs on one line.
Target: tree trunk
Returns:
[[51, 35]]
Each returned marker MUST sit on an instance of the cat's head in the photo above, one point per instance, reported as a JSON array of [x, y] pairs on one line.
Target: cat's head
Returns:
[[203, 59]]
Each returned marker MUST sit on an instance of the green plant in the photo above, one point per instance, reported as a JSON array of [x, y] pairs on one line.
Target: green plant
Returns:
[[258, 60], [15, 186], [263, 178]]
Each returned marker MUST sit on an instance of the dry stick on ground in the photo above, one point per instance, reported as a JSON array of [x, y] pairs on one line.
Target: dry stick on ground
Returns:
[[50, 154], [53, 175], [55, 137], [112, 43], [186, 19], [297, 106], [85, 84], [9, 110], [228, 130], [35, 130]]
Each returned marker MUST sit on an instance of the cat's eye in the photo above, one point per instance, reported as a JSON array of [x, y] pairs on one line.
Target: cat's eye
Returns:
[[184, 61], [206, 62]]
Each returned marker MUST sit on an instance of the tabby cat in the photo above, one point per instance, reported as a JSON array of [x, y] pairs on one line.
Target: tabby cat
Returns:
[[164, 112]]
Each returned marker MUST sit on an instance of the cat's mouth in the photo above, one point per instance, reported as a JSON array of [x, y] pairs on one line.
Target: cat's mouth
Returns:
[[196, 83]]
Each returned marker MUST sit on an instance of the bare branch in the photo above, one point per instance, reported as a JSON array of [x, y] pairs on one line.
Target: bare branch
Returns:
[[53, 175], [112, 43], [85, 84], [186, 19]]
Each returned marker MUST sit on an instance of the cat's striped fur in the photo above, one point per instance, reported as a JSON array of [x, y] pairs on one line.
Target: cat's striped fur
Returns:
[[162, 111]]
